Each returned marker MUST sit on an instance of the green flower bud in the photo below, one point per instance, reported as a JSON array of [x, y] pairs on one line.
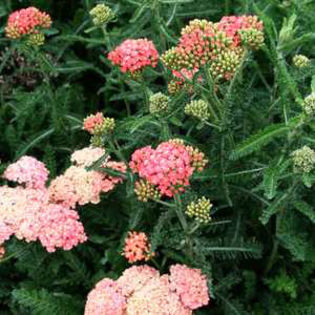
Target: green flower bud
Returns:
[[36, 39], [200, 210], [158, 103], [300, 61], [309, 104], [252, 38], [106, 127], [303, 160], [146, 191], [198, 109], [102, 14]]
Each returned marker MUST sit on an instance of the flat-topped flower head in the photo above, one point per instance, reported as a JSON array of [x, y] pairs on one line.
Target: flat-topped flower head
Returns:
[[26, 22], [137, 247], [28, 214], [142, 290], [60, 228], [29, 171], [133, 55], [168, 167], [190, 285]]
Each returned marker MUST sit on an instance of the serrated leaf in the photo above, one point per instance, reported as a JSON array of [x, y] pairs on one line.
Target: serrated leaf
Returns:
[[272, 209], [259, 140], [305, 209]]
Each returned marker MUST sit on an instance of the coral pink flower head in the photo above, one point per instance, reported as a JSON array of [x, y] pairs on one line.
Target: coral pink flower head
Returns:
[[26, 21], [60, 228], [156, 298], [137, 247], [29, 171], [134, 54], [105, 299], [93, 121], [190, 285]]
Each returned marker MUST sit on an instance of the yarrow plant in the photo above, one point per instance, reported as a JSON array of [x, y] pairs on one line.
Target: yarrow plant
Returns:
[[142, 290], [28, 23], [133, 55]]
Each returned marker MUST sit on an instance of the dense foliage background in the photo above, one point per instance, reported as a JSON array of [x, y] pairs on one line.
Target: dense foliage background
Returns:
[[258, 249]]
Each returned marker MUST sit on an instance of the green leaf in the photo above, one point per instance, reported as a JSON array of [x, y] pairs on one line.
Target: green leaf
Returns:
[[272, 209], [257, 141], [305, 209]]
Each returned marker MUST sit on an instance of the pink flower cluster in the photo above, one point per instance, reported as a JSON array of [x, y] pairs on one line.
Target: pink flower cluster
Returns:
[[29, 171], [133, 55], [137, 247], [168, 167], [33, 212], [233, 25], [217, 45], [142, 290], [28, 214], [93, 121], [81, 186], [26, 21]]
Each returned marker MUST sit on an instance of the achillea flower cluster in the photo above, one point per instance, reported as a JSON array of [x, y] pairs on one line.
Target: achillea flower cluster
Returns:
[[200, 210], [29, 171], [28, 214], [158, 103], [102, 14], [27, 21], [168, 167], [133, 55], [190, 285], [142, 290], [98, 124], [81, 186], [300, 61], [137, 247], [220, 46], [303, 160], [198, 109]]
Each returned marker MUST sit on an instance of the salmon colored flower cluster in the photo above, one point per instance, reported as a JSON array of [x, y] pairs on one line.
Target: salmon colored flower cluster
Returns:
[[81, 186], [190, 285], [220, 46], [142, 290], [26, 22], [91, 122], [29, 171], [168, 167], [137, 247], [133, 55], [28, 214]]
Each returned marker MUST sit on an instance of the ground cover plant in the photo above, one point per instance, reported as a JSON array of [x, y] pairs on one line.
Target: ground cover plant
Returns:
[[157, 157]]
